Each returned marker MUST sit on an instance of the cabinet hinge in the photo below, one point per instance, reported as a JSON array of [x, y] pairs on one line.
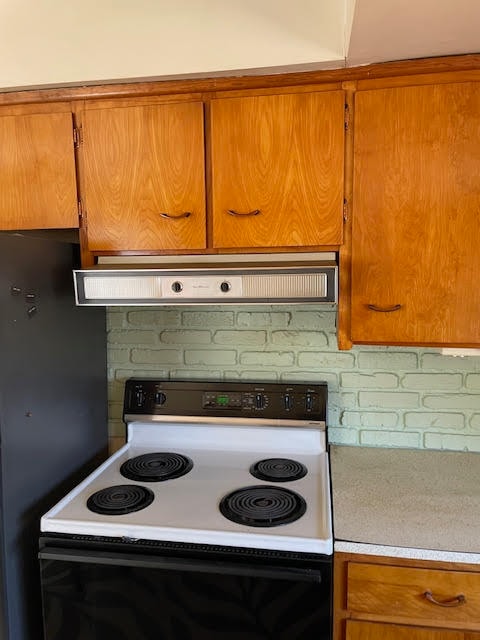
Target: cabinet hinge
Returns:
[[347, 117], [77, 137], [345, 210], [80, 211]]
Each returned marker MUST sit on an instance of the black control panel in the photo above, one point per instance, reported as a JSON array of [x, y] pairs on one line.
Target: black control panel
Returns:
[[297, 401]]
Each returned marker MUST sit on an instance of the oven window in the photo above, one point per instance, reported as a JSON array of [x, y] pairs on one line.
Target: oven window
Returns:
[[121, 598]]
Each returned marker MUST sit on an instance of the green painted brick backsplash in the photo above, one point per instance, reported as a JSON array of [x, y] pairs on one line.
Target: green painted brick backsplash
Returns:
[[378, 396]]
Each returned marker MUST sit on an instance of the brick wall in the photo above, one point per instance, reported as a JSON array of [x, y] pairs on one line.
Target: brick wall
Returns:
[[385, 396]]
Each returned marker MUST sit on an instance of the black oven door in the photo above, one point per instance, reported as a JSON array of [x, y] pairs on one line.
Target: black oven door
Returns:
[[94, 594]]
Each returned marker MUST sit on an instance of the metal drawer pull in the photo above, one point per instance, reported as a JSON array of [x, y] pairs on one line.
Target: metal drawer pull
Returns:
[[457, 601], [395, 307], [232, 212], [185, 214]]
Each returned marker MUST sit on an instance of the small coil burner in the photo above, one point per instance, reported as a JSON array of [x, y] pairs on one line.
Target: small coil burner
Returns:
[[120, 499], [278, 470], [156, 467], [263, 506]]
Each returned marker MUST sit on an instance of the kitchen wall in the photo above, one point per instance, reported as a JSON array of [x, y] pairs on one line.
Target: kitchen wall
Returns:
[[379, 396], [53, 42]]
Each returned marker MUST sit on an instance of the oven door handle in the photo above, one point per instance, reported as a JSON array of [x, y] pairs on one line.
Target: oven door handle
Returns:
[[181, 564]]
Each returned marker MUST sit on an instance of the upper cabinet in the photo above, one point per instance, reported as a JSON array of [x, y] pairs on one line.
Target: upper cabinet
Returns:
[[143, 177], [277, 170], [276, 177], [416, 216], [37, 171], [382, 168]]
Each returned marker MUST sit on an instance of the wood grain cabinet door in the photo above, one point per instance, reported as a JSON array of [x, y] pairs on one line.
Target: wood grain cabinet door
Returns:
[[433, 597], [357, 630], [277, 170], [416, 216], [143, 177], [37, 172]]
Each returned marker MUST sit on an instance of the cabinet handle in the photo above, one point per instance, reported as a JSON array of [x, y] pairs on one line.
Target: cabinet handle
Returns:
[[395, 307], [232, 212], [185, 214], [457, 601]]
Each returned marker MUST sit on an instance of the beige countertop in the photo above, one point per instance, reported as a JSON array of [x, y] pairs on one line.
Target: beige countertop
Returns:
[[406, 503]]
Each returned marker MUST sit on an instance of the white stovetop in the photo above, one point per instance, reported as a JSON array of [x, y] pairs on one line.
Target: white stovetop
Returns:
[[185, 509]]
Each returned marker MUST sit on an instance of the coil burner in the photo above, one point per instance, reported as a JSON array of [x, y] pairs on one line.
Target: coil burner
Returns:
[[120, 499], [263, 506], [156, 467], [278, 470]]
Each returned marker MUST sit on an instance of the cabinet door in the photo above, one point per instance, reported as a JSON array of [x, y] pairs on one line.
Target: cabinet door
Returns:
[[37, 172], [143, 177], [416, 223], [377, 631], [277, 170]]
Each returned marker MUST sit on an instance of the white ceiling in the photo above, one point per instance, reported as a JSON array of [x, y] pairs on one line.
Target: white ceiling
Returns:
[[56, 42]]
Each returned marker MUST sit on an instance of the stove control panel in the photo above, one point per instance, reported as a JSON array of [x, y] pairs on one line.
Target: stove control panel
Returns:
[[233, 399]]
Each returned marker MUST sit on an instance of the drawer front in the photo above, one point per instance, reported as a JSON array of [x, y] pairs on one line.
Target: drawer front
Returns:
[[419, 594], [357, 630]]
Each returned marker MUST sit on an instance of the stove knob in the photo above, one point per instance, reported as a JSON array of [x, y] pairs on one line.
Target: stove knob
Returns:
[[140, 397], [309, 402], [260, 401], [225, 286], [287, 402], [177, 286], [160, 397]]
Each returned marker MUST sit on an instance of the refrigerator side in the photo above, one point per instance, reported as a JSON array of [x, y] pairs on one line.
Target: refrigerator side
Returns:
[[53, 408]]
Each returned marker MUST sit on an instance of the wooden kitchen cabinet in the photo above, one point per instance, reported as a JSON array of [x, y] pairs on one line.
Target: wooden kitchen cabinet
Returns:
[[143, 177], [383, 598], [143, 173], [277, 170], [37, 170], [416, 216], [374, 631]]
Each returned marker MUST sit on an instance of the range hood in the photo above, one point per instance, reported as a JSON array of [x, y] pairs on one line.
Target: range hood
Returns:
[[226, 279]]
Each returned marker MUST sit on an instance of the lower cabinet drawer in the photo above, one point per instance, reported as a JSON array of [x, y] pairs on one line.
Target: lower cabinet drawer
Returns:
[[419, 594], [376, 631]]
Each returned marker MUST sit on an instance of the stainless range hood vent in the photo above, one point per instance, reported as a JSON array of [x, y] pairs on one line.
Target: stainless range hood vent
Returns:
[[228, 280]]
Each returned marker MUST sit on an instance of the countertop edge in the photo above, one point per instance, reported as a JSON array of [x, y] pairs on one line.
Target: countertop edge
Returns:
[[405, 552]]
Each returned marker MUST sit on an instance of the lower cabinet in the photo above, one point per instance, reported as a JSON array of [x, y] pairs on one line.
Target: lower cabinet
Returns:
[[381, 597], [356, 630]]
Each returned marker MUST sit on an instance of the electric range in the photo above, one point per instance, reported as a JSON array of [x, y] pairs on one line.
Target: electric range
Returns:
[[217, 433], [220, 486]]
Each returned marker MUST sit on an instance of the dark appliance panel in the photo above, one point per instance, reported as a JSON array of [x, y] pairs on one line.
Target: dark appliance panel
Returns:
[[53, 422], [96, 591]]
